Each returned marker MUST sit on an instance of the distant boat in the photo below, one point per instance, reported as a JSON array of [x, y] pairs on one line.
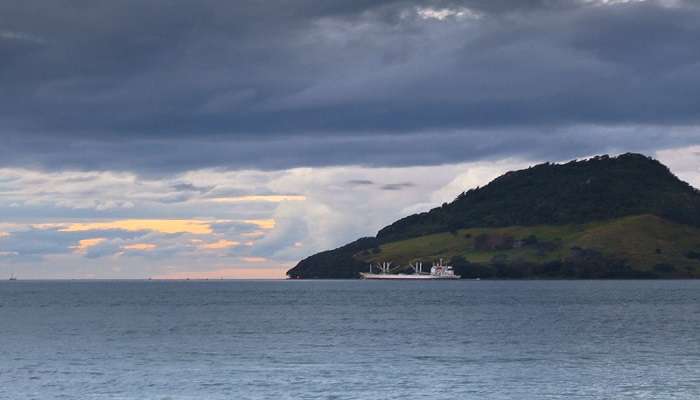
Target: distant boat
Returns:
[[438, 271], [13, 277]]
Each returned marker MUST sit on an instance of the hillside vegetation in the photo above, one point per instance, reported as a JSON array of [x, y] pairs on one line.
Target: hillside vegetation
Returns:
[[644, 246], [606, 217]]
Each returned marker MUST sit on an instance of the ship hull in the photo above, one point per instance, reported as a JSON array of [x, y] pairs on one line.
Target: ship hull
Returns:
[[405, 277]]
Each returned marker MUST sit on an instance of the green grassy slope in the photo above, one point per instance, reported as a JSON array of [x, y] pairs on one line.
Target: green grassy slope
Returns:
[[645, 243]]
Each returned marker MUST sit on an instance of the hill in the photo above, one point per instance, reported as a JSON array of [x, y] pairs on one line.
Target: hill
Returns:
[[605, 217]]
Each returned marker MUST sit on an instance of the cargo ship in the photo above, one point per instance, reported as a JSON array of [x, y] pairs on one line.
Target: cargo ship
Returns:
[[437, 271]]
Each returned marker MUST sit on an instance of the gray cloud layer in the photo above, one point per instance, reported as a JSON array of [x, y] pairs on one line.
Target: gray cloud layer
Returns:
[[171, 85]]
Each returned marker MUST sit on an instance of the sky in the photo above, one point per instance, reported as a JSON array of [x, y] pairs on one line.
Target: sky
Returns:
[[215, 139]]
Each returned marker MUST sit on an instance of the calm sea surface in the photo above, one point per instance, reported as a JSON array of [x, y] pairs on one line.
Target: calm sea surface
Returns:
[[350, 340]]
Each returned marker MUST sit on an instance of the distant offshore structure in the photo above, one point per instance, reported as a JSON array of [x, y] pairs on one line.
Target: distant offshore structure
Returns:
[[437, 271]]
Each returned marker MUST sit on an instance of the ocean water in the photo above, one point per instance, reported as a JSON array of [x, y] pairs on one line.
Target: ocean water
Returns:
[[350, 340]]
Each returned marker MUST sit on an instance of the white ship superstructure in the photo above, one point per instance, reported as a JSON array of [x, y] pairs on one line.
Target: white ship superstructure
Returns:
[[437, 271]]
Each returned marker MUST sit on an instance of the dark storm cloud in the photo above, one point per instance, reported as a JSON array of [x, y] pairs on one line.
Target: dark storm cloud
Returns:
[[359, 182], [188, 187], [387, 186], [171, 85], [397, 186]]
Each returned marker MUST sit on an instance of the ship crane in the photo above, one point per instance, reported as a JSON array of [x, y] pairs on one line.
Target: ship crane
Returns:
[[417, 267], [384, 267]]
